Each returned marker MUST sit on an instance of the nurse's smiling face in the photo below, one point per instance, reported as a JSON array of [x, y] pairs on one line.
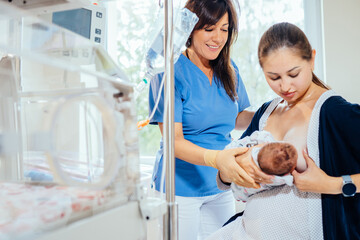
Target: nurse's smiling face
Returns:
[[208, 42]]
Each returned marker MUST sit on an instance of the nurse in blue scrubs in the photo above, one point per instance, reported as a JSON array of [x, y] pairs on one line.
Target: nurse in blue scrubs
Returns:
[[210, 101]]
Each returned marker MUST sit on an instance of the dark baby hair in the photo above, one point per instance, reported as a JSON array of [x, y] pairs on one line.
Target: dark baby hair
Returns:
[[277, 158]]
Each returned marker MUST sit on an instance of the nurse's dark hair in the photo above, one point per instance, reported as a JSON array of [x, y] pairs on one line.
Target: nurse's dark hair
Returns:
[[287, 35], [209, 13]]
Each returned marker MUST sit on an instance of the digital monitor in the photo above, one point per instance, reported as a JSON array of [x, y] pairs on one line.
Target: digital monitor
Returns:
[[77, 20], [89, 22]]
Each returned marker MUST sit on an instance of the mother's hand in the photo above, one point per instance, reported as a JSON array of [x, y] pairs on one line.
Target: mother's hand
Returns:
[[230, 170], [247, 163], [313, 179]]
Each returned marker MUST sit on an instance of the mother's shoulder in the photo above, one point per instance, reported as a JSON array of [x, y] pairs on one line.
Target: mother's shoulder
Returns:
[[263, 107], [338, 107], [338, 103]]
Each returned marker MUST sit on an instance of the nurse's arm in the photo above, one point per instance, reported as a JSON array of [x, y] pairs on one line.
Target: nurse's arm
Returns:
[[243, 119], [185, 149]]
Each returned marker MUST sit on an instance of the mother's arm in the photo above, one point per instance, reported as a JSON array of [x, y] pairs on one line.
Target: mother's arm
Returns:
[[243, 119]]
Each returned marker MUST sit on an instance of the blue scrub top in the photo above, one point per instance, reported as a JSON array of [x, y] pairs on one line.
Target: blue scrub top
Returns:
[[207, 115]]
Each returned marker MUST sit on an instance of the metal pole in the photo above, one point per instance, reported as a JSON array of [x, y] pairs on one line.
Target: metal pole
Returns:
[[170, 220]]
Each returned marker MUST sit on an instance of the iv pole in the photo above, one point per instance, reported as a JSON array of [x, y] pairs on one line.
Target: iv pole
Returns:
[[170, 230]]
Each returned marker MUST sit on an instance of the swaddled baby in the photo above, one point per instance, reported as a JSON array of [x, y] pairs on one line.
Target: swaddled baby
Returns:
[[274, 158]]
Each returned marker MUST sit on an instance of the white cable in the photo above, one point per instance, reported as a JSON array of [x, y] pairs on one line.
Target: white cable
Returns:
[[163, 170], [112, 152], [158, 98]]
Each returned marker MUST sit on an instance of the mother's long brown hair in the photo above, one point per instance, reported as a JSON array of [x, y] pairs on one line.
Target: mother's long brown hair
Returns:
[[209, 13], [290, 36]]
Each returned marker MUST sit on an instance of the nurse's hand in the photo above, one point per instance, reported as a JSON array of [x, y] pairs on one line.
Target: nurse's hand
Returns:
[[249, 166], [231, 171]]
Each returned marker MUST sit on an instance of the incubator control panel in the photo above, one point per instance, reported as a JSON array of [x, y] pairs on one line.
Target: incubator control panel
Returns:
[[89, 22]]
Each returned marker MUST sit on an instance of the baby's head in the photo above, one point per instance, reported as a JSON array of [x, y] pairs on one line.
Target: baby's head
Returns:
[[277, 158]]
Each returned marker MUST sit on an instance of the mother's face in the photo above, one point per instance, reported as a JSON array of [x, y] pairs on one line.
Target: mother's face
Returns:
[[288, 75]]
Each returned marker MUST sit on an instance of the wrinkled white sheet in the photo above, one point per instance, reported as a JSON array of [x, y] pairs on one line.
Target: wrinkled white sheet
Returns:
[[26, 210]]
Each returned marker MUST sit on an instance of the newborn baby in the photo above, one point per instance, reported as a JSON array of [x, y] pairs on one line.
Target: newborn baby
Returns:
[[277, 158], [274, 158]]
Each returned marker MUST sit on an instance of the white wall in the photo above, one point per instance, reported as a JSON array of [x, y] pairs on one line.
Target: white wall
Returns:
[[313, 30], [341, 21]]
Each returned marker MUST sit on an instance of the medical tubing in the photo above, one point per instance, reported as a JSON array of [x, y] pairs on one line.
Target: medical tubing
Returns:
[[145, 122], [164, 166], [158, 98], [111, 160], [20, 167], [184, 22]]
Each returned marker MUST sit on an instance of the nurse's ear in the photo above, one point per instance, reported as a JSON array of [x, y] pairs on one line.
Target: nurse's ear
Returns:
[[313, 54]]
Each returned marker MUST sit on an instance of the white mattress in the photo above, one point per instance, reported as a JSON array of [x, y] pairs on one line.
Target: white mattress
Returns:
[[27, 210]]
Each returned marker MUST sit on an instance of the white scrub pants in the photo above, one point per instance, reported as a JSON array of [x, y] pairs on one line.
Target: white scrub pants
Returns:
[[201, 216]]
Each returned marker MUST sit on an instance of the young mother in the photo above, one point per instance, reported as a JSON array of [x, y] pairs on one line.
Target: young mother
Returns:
[[324, 203]]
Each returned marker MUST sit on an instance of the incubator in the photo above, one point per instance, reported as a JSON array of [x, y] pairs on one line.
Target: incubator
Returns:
[[68, 136]]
